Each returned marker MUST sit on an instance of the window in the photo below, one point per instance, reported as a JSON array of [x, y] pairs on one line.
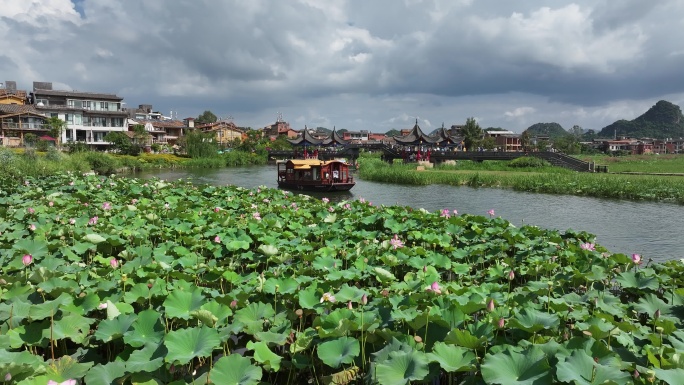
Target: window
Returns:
[[104, 106], [78, 119], [69, 118], [86, 121], [87, 105], [99, 121], [117, 122], [71, 103], [42, 102]]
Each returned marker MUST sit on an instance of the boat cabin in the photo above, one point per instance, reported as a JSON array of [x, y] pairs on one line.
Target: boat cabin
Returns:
[[315, 174]]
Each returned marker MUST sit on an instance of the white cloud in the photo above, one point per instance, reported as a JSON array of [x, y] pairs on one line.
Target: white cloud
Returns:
[[519, 112]]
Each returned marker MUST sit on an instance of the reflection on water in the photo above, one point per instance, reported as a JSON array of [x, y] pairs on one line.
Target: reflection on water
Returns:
[[650, 229]]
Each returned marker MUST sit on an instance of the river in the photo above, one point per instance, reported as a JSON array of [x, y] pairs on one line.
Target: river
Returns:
[[646, 228]]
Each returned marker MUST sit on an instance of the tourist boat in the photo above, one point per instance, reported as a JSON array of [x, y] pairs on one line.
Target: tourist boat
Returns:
[[315, 175]]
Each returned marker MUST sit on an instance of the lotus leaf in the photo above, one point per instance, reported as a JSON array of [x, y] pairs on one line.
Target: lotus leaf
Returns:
[[509, 367], [637, 280], [186, 344], [452, 358], [105, 374], [147, 329], [342, 350], [179, 303], [581, 369], [264, 355], [402, 367], [236, 370], [532, 320], [115, 328], [148, 359], [66, 368]]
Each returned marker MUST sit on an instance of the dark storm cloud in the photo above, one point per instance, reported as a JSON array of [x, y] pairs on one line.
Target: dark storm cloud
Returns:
[[367, 63]]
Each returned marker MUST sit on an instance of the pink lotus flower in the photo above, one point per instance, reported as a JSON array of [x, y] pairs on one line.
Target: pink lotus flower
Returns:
[[71, 183], [217, 239], [491, 213], [257, 216], [325, 200], [134, 201], [86, 204], [362, 200], [31, 210], [102, 306], [636, 259], [114, 263], [67, 382], [27, 259], [51, 203], [327, 297], [445, 213], [26, 183], [72, 221], [347, 206], [434, 288], [254, 206], [331, 209], [167, 206], [217, 209], [106, 206], [32, 227], [93, 221], [511, 275], [455, 212], [587, 246], [396, 242], [266, 200], [233, 304]]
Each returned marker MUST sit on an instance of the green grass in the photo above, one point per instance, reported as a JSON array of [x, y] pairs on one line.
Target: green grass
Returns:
[[640, 163], [631, 187]]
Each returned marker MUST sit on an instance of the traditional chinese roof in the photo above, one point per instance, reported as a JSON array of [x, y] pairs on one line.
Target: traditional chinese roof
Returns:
[[444, 138], [334, 139], [415, 136], [19, 109], [305, 139]]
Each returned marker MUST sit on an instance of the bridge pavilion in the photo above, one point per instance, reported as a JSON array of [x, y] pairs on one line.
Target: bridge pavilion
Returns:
[[416, 144], [306, 140], [445, 140]]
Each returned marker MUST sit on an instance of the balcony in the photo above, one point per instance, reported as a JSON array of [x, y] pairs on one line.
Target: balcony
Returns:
[[24, 126]]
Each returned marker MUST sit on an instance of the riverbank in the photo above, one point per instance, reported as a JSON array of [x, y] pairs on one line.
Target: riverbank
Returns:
[[163, 271], [20, 163], [599, 185]]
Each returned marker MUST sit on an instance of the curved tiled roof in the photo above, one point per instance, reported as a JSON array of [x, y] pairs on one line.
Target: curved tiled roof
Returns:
[[334, 139], [416, 136], [306, 139]]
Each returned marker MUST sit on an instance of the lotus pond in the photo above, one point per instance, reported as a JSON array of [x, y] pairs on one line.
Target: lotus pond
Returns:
[[107, 280]]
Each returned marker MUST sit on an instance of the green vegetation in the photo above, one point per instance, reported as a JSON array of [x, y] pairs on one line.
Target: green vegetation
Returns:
[[151, 282], [552, 130], [668, 164], [663, 120], [206, 117], [472, 134], [617, 186]]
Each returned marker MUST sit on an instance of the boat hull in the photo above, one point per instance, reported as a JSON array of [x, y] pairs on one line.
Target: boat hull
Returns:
[[316, 187]]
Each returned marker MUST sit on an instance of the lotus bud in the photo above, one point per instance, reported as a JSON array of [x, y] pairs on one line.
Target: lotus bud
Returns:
[[8, 377], [233, 304], [636, 259], [501, 323], [511, 275], [385, 293], [657, 314], [114, 263], [424, 269], [364, 299], [418, 339], [349, 305], [636, 374], [490, 305], [27, 259], [299, 313]]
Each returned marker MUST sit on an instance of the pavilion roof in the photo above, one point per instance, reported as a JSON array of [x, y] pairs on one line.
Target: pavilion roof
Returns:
[[415, 136], [334, 139], [443, 137], [305, 139]]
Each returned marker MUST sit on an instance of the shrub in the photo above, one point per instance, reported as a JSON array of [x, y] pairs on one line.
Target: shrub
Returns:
[[102, 163], [55, 155], [528, 161], [76, 147]]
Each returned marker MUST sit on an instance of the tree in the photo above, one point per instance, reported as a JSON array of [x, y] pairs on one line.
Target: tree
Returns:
[[488, 143], [392, 132], [122, 143], [525, 141], [206, 117], [200, 145], [30, 139], [55, 128], [472, 133], [576, 131]]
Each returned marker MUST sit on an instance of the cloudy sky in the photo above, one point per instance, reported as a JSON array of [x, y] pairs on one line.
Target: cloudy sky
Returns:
[[358, 64]]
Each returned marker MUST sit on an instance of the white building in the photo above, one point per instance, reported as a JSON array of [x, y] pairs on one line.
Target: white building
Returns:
[[89, 116]]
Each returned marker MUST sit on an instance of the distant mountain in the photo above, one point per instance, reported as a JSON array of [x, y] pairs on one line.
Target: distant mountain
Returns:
[[664, 120], [552, 130]]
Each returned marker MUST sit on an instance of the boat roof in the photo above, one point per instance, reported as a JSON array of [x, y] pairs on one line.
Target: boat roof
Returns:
[[302, 164]]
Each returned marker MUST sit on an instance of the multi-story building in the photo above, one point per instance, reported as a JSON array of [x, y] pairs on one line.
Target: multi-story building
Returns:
[[89, 116]]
